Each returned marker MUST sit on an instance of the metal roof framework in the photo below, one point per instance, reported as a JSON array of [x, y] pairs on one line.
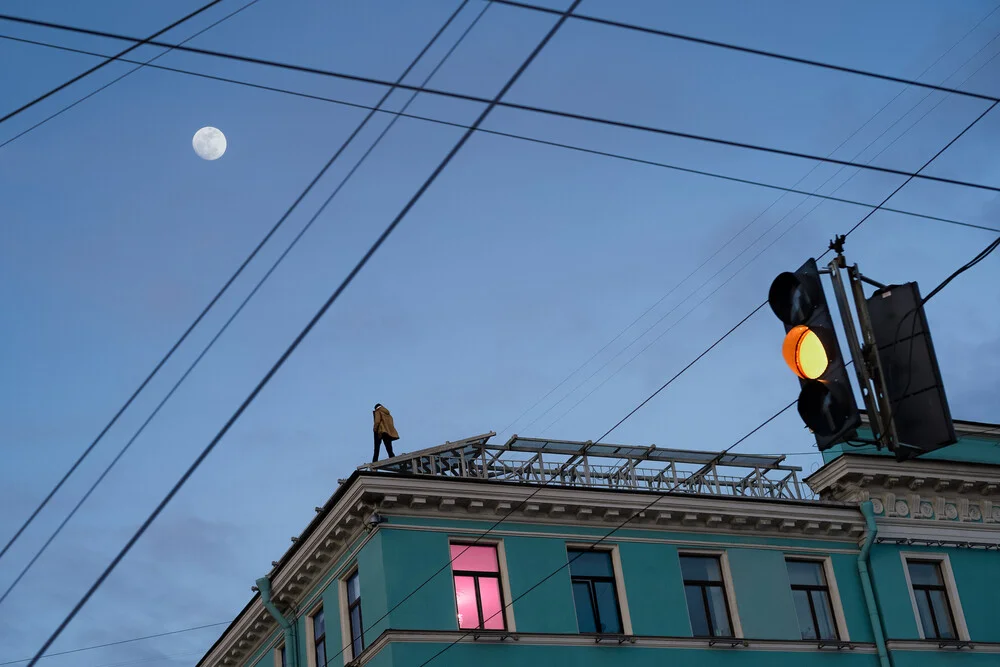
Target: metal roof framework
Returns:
[[593, 465]]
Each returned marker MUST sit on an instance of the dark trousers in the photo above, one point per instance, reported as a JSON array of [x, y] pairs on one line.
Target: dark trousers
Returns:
[[382, 439]]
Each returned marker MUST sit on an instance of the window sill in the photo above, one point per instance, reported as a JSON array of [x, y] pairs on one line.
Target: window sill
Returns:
[[834, 643], [608, 637], [731, 642], [493, 635]]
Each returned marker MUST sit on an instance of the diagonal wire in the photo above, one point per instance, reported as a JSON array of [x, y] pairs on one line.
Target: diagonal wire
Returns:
[[757, 52], [752, 259], [232, 317], [125, 641], [114, 419], [108, 61], [732, 143], [534, 140], [128, 73], [302, 334], [629, 415]]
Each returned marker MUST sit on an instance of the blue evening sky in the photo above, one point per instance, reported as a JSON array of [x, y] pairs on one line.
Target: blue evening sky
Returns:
[[517, 265]]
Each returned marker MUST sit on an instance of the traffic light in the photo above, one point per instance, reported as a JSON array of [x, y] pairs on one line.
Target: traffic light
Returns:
[[826, 401]]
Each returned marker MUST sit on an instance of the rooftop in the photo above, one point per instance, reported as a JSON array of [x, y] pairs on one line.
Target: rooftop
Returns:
[[569, 463]]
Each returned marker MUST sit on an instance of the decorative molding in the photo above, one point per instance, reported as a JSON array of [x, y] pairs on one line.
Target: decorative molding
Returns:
[[327, 538], [610, 642]]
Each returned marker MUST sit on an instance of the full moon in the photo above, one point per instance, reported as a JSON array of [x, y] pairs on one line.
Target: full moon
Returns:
[[209, 143]]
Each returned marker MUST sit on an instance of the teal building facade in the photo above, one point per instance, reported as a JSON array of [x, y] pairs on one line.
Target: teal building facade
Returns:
[[556, 553]]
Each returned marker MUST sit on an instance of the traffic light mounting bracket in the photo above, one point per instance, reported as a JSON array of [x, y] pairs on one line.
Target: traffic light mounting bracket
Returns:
[[864, 352]]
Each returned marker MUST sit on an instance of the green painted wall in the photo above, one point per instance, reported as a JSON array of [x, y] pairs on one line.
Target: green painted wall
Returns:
[[977, 577], [409, 559], [763, 596], [510, 653], [374, 598], [852, 597], [966, 450], [548, 608], [652, 574], [892, 593]]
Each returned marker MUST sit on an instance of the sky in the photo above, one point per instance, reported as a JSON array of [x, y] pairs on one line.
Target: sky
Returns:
[[516, 266]]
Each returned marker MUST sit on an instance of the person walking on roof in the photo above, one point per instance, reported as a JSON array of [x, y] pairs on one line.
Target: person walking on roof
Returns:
[[385, 431]]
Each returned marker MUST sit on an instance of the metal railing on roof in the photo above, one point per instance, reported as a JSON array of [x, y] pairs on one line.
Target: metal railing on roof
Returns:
[[603, 466]]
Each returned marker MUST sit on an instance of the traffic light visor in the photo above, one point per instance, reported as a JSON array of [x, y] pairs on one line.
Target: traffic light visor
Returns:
[[805, 353], [793, 299], [825, 408]]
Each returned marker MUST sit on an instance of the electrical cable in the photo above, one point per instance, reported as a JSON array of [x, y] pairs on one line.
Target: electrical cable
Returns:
[[616, 426], [761, 252], [583, 17], [135, 394], [128, 641], [526, 107], [303, 333], [543, 142], [757, 52], [212, 303], [108, 61], [232, 317], [590, 548], [983, 254], [128, 73]]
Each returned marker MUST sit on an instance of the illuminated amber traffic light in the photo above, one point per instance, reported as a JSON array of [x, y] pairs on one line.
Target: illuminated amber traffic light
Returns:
[[826, 401], [804, 353]]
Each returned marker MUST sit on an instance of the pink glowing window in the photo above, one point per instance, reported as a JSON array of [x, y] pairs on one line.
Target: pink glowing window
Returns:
[[477, 587]]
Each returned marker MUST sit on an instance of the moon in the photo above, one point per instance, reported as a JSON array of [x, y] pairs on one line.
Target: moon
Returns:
[[209, 143]]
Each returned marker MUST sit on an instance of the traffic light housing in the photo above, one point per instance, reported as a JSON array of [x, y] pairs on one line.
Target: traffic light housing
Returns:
[[917, 403], [826, 400]]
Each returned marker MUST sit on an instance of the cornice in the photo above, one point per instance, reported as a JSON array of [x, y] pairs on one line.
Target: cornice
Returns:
[[340, 522], [609, 642], [844, 476], [589, 507]]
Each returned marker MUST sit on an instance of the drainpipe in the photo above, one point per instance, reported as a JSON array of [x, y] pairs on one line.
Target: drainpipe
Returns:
[[866, 584], [291, 644]]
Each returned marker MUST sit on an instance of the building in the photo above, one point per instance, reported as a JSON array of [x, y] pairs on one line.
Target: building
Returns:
[[565, 553]]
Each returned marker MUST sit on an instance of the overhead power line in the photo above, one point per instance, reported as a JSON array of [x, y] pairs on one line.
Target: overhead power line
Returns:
[[140, 64], [208, 307], [303, 333], [644, 402], [523, 107], [108, 61], [126, 641], [520, 137], [247, 299], [114, 419], [978, 258], [769, 245], [757, 52]]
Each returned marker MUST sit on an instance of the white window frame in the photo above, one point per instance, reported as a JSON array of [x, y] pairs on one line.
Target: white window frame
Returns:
[[616, 568], [277, 655], [345, 617], [311, 636], [950, 587], [727, 582], [831, 583], [508, 599]]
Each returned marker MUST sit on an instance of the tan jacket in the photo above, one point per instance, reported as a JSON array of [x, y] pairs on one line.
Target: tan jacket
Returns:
[[383, 423]]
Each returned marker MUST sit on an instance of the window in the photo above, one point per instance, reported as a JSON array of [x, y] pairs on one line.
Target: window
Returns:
[[594, 594], [812, 599], [931, 598], [319, 637], [706, 596], [354, 615], [478, 595], [279, 656]]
